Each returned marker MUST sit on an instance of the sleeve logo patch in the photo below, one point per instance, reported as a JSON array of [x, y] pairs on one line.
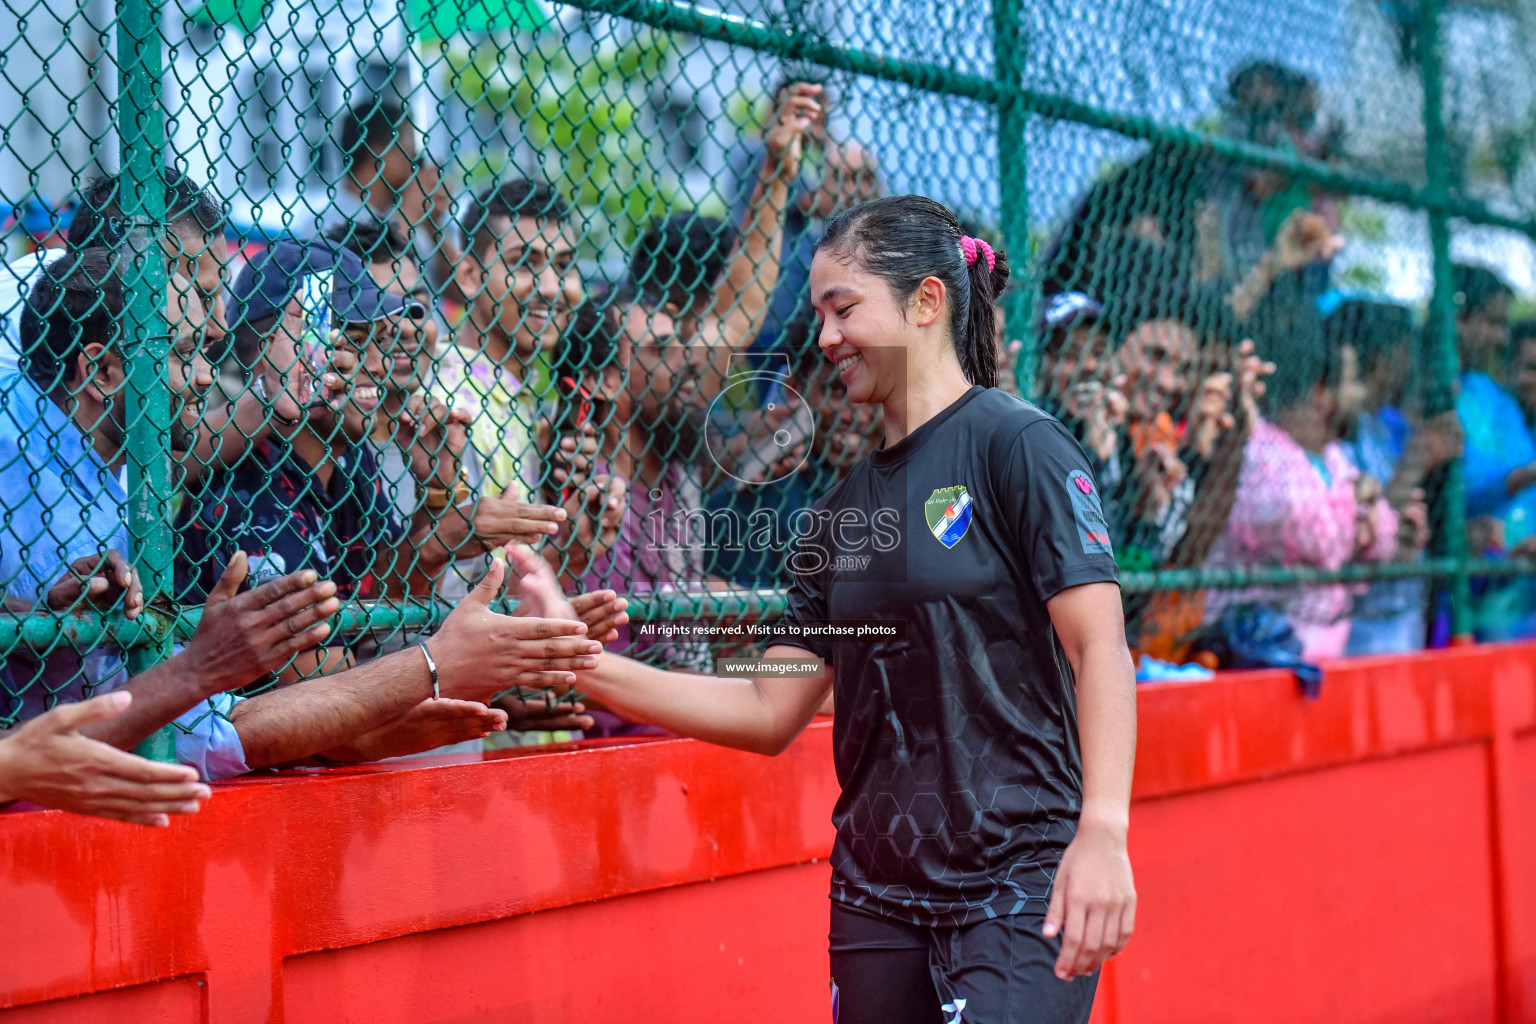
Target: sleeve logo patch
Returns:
[[1092, 530], [948, 511]]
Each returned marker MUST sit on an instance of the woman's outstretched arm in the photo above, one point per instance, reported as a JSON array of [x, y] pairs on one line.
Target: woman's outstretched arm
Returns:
[[763, 715]]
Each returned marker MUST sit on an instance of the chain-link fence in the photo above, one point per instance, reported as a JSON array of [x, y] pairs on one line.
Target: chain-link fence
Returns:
[[374, 291]]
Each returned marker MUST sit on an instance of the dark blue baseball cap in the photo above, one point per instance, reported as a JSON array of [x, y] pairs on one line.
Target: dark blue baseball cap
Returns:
[[284, 269]]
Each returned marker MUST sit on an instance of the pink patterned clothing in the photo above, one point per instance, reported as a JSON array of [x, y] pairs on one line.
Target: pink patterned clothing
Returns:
[[1297, 509]]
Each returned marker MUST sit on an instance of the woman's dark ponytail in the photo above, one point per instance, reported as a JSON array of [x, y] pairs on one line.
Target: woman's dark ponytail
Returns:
[[987, 271], [904, 239]]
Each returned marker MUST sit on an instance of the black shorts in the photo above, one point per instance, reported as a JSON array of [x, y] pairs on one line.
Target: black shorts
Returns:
[[1000, 971]]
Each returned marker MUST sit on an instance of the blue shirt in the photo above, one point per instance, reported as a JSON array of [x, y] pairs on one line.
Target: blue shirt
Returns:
[[60, 502], [1498, 443], [1380, 440]]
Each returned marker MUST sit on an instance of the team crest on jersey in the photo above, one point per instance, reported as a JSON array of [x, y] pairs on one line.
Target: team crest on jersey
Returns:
[[948, 511]]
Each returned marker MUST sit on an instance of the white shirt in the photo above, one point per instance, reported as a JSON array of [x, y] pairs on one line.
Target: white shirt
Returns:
[[15, 279]]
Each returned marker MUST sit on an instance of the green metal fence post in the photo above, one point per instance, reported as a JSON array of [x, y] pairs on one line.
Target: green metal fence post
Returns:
[[146, 345], [1444, 363], [1012, 184]]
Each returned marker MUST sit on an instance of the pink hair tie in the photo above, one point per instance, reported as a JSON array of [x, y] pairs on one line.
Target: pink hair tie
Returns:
[[971, 247]]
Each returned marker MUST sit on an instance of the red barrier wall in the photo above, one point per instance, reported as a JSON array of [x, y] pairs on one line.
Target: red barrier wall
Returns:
[[1364, 857]]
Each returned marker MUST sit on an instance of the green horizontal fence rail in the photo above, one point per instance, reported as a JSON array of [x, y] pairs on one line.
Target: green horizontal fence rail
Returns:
[[999, 91]]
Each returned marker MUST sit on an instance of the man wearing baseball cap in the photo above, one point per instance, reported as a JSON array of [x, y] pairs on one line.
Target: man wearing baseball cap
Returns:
[[315, 333], [318, 338]]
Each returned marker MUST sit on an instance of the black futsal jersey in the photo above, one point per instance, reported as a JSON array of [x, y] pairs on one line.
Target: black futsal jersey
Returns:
[[956, 744]]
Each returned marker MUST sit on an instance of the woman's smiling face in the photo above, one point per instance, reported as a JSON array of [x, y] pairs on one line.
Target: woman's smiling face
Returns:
[[864, 329]]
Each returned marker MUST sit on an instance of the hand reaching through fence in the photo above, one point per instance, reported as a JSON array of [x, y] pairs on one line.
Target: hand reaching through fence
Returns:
[[603, 612], [539, 594], [427, 726], [243, 636], [239, 639], [49, 761], [537, 711], [98, 582], [481, 653], [474, 656]]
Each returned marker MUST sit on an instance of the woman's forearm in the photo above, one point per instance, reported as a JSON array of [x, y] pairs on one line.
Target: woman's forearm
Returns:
[[1106, 723], [760, 715]]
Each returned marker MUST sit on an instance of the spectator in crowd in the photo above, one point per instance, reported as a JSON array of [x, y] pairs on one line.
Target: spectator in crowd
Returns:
[[50, 762], [1388, 446], [1499, 467], [695, 296], [232, 425], [1146, 217], [1500, 457], [194, 242], [1166, 422], [1272, 105], [476, 518], [520, 278], [744, 165], [1181, 211], [388, 179], [753, 515], [522, 285], [1176, 411], [1299, 501], [387, 257], [314, 497], [69, 491]]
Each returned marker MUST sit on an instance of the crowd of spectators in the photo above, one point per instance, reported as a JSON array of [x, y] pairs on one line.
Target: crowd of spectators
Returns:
[[377, 413], [388, 407]]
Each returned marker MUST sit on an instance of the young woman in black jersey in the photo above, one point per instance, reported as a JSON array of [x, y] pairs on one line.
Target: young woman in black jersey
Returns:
[[980, 872]]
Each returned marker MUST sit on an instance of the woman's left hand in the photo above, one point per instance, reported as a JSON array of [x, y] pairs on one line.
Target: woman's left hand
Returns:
[[1093, 900]]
